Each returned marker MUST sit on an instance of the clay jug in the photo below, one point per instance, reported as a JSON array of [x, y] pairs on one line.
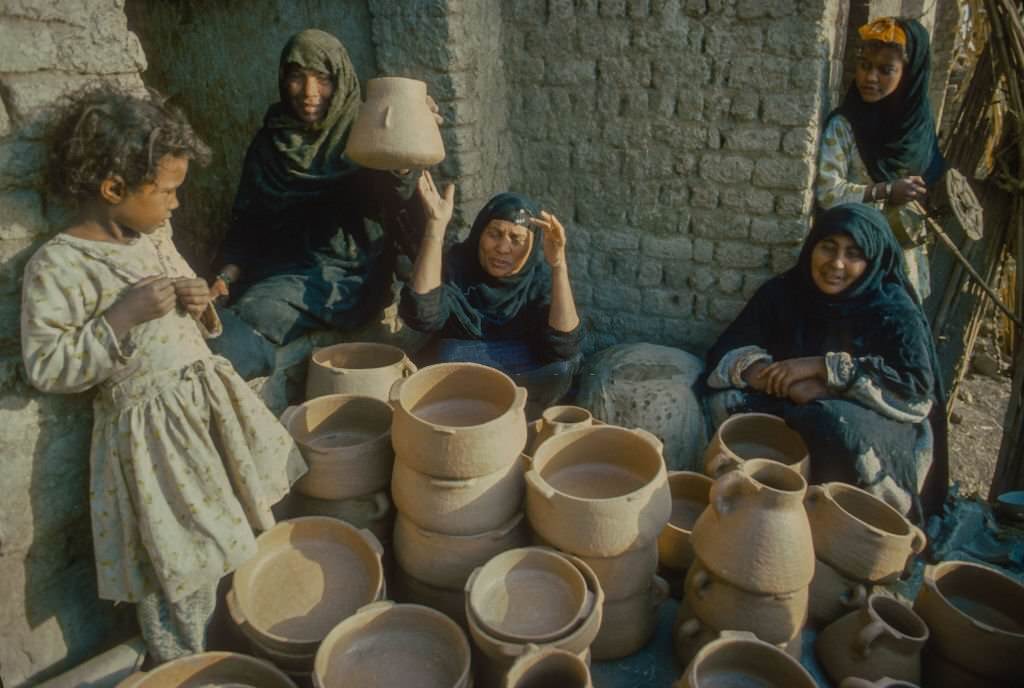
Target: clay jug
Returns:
[[740, 659], [542, 667], [882, 639], [755, 436], [395, 129], [362, 368], [754, 533], [558, 419]]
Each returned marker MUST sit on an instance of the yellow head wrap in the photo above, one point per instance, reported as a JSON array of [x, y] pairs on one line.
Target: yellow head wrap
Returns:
[[885, 30]]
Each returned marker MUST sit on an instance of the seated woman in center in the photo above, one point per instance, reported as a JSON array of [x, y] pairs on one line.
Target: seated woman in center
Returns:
[[839, 348], [498, 301]]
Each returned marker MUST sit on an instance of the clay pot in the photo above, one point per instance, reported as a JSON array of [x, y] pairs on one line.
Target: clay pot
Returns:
[[445, 561], [860, 535], [598, 491], [346, 441], [690, 492], [690, 634], [451, 603], [544, 667], [854, 682], [882, 639], [458, 420], [833, 595], [772, 618], [755, 436], [755, 534], [212, 669], [372, 512], [307, 575], [386, 644], [395, 129], [360, 368], [629, 623], [627, 574], [939, 672], [527, 595], [557, 419], [459, 506], [286, 661], [976, 615], [739, 659]]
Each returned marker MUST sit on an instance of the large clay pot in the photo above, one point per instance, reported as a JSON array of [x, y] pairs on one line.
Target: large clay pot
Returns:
[[755, 436], [386, 644], [882, 639], [546, 667], [346, 441], [395, 129], [458, 420], [690, 634], [445, 561], [360, 368], [557, 419], [860, 535], [690, 493], [772, 618], [833, 595], [372, 512], [755, 534], [598, 491], [307, 575], [459, 506], [629, 623], [627, 574], [976, 615], [212, 669], [739, 659]]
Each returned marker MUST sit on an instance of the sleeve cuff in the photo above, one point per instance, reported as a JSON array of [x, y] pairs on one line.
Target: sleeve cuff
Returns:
[[121, 351], [839, 369]]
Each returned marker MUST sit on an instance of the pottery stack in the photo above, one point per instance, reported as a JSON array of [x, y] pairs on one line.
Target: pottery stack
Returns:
[[601, 494], [458, 434], [754, 560]]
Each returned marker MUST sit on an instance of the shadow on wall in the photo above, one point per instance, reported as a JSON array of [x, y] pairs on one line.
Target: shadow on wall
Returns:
[[218, 62]]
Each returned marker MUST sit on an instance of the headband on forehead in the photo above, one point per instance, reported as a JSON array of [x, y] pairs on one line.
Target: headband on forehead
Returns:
[[885, 30]]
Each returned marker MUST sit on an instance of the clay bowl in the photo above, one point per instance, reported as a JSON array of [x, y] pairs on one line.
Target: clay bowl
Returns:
[[598, 491], [690, 493], [307, 575], [755, 436], [737, 660], [545, 667], [976, 616], [213, 670], [445, 561], [458, 420], [386, 644], [629, 623], [859, 535], [346, 441], [832, 595], [451, 603], [363, 368], [527, 595], [459, 506], [372, 512]]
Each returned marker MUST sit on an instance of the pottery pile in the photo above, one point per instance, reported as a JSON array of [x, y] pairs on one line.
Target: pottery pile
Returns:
[[458, 434], [601, 494], [754, 560], [860, 542]]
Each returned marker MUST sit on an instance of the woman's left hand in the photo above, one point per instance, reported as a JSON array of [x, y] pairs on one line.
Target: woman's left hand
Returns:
[[434, 110], [192, 294], [778, 377], [554, 238]]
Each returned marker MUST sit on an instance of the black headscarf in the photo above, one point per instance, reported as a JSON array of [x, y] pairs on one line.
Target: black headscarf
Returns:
[[896, 136], [474, 296]]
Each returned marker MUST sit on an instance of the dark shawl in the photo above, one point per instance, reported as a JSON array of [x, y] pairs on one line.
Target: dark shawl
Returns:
[[896, 136], [876, 320]]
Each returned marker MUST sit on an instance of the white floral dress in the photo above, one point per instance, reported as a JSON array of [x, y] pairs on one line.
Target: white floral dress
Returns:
[[185, 461]]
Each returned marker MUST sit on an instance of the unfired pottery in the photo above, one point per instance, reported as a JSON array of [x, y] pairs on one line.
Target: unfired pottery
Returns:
[[307, 575], [854, 682], [286, 661], [629, 623], [755, 436], [884, 638], [452, 603], [363, 368], [626, 574], [548, 667], [385, 645], [213, 670], [860, 535], [690, 494], [598, 491], [459, 506], [976, 615], [557, 419], [395, 129], [458, 420], [346, 441], [690, 634], [774, 618], [755, 534], [833, 595], [739, 660], [373, 512]]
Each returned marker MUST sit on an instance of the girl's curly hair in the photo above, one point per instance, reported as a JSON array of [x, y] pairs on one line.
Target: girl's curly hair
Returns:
[[105, 131]]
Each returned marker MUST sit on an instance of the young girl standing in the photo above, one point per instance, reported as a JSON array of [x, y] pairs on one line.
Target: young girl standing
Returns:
[[185, 459]]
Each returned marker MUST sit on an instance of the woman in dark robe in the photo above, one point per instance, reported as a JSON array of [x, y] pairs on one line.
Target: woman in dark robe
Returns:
[[503, 296], [839, 348], [313, 236], [879, 146]]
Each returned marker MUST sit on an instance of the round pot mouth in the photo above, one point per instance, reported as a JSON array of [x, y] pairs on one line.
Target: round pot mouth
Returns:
[[867, 510], [984, 587], [774, 476], [367, 419], [213, 668], [741, 432], [458, 382], [901, 619], [566, 414], [358, 356], [763, 663]]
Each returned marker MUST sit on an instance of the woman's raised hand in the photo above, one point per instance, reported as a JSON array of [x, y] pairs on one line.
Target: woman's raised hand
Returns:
[[437, 207], [554, 238], [908, 189]]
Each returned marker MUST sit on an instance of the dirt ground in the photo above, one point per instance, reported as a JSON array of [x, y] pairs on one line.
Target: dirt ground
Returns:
[[974, 440]]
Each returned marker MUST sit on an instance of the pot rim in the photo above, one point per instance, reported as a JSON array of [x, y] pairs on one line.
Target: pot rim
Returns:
[[752, 643], [501, 531], [826, 491], [289, 418], [690, 476], [912, 616], [737, 418], [398, 404], [931, 580], [317, 356]]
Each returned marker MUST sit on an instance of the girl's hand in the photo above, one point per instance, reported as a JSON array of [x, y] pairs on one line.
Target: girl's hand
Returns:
[[780, 376], [437, 208], [554, 238], [147, 299], [193, 295], [907, 190]]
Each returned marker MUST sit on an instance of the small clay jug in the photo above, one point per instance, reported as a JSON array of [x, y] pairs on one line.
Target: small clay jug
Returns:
[[545, 667], [395, 129], [882, 639], [740, 659], [755, 533], [558, 419], [854, 682], [690, 494], [755, 436], [363, 368], [833, 595]]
